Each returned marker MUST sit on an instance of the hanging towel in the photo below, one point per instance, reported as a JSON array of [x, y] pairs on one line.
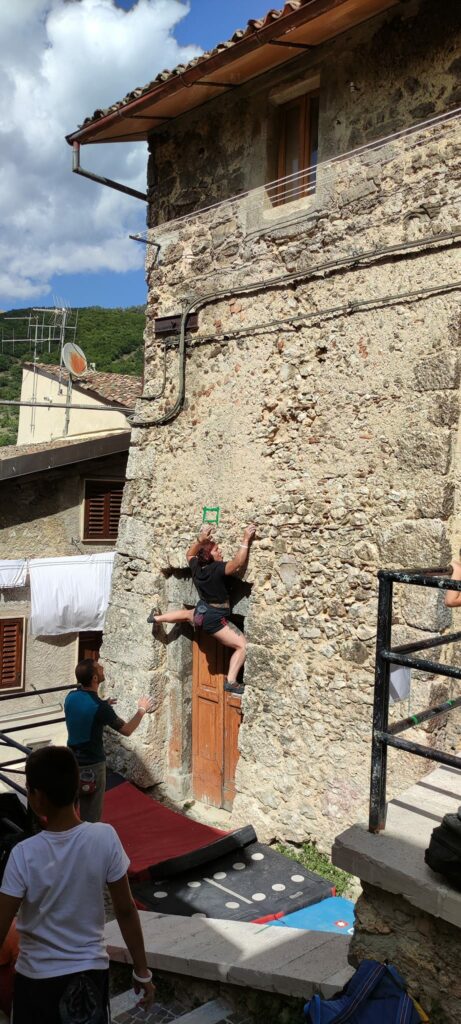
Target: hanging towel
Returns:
[[399, 683], [13, 573], [69, 594]]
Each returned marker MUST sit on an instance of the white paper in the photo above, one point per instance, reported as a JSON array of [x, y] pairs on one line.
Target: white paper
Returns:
[[399, 683]]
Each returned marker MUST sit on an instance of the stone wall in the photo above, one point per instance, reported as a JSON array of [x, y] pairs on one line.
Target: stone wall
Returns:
[[336, 432], [424, 948]]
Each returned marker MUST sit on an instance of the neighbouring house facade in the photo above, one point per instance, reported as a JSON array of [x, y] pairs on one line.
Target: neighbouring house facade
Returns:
[[61, 495], [59, 407], [59, 500], [318, 394]]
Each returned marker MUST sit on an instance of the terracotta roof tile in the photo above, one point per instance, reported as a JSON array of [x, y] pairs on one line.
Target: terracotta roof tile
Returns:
[[118, 388], [255, 23]]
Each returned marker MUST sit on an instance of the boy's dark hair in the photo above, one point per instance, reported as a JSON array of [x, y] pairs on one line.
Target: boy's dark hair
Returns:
[[84, 672], [54, 770]]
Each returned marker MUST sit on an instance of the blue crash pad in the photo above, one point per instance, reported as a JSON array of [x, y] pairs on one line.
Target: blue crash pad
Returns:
[[334, 914]]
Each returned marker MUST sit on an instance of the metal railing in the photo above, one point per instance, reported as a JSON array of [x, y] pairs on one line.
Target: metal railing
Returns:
[[385, 735], [7, 741]]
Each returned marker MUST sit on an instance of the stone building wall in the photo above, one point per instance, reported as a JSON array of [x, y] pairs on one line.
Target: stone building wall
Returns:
[[41, 516], [425, 949], [335, 432]]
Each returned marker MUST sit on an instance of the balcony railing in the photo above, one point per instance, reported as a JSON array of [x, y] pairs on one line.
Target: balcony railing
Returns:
[[7, 743], [394, 172], [385, 735]]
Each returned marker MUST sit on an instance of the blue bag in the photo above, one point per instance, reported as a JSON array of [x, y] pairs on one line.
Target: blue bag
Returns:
[[375, 995]]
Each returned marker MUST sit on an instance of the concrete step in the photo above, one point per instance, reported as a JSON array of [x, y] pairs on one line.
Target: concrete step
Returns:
[[216, 1011], [287, 961], [393, 860]]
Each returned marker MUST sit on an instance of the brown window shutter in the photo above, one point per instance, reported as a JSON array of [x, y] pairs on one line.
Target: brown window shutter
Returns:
[[11, 632], [115, 505], [103, 500]]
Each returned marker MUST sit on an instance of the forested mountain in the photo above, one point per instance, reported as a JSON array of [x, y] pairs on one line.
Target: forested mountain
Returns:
[[112, 339]]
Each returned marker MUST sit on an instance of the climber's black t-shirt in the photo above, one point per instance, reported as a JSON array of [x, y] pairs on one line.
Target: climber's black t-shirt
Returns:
[[210, 581]]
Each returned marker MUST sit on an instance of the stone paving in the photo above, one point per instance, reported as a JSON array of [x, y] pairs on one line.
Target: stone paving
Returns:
[[125, 1011]]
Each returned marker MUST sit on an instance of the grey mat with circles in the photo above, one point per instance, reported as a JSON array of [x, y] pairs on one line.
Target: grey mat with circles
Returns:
[[252, 884]]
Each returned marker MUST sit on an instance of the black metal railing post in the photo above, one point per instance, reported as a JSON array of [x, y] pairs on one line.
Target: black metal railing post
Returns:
[[377, 819]]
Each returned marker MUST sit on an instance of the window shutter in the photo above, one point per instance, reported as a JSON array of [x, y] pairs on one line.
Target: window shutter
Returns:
[[11, 633], [103, 500], [115, 505]]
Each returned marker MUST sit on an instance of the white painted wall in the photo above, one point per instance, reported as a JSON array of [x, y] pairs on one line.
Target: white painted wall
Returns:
[[41, 425]]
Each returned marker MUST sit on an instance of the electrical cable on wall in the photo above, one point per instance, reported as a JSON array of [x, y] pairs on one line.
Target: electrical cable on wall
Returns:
[[352, 261]]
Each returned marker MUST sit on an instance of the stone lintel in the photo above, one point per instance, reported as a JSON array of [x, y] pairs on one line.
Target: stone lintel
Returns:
[[393, 860]]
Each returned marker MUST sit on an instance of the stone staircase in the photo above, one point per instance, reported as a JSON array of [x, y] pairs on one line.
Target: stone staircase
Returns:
[[215, 1011]]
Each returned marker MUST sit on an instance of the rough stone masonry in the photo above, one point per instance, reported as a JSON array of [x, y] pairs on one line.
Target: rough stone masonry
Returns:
[[337, 432]]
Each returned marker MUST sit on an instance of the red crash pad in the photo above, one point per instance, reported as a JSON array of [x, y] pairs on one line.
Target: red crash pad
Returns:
[[154, 836]]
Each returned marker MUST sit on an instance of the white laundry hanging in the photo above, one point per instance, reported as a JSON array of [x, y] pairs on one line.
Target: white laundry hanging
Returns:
[[13, 572], [69, 594]]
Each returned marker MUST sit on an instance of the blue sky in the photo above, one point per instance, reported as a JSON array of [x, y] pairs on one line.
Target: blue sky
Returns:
[[63, 238]]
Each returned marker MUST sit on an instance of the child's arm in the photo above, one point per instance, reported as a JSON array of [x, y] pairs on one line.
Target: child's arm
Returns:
[[9, 906], [130, 927]]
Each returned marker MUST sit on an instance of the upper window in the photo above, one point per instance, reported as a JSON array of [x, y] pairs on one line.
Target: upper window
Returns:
[[298, 148], [103, 500], [11, 654]]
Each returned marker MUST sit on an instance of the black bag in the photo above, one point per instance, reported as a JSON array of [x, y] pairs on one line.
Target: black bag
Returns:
[[444, 851]]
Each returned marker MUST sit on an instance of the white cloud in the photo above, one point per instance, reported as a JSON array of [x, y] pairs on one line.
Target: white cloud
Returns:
[[59, 61]]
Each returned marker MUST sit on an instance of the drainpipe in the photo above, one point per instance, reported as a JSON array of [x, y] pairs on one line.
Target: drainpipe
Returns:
[[77, 169]]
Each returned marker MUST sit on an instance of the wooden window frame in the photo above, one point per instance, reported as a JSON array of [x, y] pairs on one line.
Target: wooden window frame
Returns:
[[107, 538], [20, 622], [306, 124]]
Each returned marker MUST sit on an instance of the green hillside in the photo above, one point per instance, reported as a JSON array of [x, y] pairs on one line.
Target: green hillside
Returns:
[[112, 339]]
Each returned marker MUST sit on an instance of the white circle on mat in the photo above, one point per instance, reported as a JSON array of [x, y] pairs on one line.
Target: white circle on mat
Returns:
[[257, 856], [278, 887], [220, 875], [198, 915], [297, 878], [232, 906], [194, 885], [239, 866], [258, 896], [160, 895]]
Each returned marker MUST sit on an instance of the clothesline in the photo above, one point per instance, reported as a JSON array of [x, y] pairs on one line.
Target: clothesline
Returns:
[[66, 600], [21, 564]]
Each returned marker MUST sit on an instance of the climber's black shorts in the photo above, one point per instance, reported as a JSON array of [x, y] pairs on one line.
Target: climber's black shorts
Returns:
[[210, 619]]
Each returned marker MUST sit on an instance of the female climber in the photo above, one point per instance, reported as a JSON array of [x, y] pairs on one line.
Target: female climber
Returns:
[[211, 613]]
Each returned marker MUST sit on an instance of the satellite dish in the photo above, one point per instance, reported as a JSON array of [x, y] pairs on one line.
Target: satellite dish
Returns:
[[74, 359]]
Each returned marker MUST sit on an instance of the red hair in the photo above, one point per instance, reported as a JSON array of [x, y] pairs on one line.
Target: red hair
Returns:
[[204, 556]]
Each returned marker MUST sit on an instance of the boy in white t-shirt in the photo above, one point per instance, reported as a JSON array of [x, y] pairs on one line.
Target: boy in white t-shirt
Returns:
[[55, 882]]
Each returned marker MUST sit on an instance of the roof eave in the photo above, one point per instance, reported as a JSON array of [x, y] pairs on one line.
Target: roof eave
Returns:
[[275, 30], [68, 455]]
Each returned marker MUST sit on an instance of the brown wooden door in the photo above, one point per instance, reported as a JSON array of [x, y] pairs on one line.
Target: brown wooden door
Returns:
[[216, 718], [89, 645]]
